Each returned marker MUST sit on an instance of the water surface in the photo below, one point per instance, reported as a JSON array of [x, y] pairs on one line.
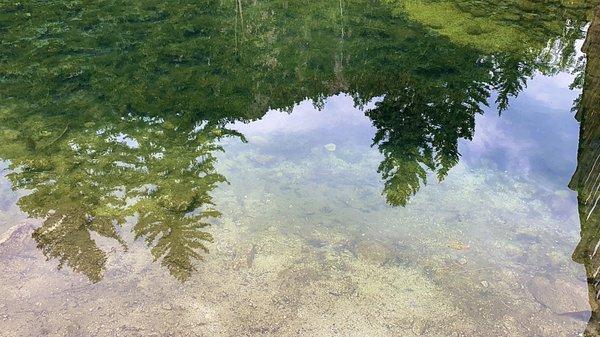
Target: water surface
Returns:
[[251, 168]]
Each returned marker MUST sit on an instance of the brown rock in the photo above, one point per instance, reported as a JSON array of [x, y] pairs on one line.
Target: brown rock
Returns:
[[375, 252], [560, 296]]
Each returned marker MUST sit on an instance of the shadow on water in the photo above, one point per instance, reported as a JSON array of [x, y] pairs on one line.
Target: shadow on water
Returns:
[[115, 111]]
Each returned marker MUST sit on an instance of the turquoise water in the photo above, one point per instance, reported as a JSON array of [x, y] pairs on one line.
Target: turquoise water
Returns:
[[239, 168]]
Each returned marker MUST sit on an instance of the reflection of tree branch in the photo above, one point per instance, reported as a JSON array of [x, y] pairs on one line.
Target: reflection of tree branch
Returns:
[[67, 237], [418, 129], [62, 134], [172, 214], [510, 78], [142, 166], [176, 238]]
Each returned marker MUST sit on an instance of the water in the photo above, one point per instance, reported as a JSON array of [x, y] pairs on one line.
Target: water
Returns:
[[245, 168]]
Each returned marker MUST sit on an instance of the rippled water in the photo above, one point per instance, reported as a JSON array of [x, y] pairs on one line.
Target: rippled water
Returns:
[[245, 168]]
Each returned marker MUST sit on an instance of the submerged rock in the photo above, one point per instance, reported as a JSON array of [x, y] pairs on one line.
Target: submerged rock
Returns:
[[262, 159], [457, 245], [18, 234], [559, 296], [258, 140], [250, 256], [245, 257], [419, 326], [375, 252]]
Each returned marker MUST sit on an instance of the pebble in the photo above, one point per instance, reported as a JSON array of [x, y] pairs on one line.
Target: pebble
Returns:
[[457, 245], [419, 327]]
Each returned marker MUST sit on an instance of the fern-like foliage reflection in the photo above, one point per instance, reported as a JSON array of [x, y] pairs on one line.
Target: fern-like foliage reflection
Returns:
[[113, 110]]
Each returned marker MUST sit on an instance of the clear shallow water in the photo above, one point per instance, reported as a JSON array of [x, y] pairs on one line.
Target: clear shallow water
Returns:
[[219, 180]]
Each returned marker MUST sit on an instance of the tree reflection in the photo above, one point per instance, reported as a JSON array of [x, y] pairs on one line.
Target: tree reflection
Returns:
[[177, 172], [115, 109], [420, 122], [87, 182], [433, 101], [586, 179]]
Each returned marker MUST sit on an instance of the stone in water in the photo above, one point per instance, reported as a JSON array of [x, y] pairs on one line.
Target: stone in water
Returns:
[[330, 147]]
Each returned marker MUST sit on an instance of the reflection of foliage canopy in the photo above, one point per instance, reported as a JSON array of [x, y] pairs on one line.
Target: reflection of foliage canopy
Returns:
[[89, 180], [521, 37], [516, 26], [114, 108]]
